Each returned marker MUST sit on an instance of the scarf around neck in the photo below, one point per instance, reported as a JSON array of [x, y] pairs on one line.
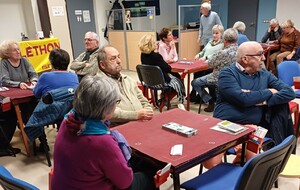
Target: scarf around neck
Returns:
[[84, 126]]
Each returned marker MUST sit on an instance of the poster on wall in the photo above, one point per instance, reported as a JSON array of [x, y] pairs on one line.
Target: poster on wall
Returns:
[[86, 16], [37, 52], [58, 11]]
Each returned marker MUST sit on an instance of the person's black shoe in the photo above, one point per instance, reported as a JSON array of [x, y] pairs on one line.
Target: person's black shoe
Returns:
[[9, 152], [193, 96]]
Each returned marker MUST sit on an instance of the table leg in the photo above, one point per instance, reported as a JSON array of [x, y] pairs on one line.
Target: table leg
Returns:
[[243, 154], [21, 125], [188, 93], [176, 181], [268, 59]]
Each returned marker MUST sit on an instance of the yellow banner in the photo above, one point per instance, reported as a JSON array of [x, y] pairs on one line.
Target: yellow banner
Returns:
[[37, 52]]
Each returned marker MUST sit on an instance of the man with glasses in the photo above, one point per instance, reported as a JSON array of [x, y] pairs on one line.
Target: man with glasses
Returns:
[[132, 105], [86, 62], [249, 94], [273, 33]]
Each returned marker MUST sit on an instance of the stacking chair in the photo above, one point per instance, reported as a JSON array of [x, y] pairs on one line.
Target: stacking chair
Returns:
[[8, 182], [286, 71], [151, 77], [260, 172]]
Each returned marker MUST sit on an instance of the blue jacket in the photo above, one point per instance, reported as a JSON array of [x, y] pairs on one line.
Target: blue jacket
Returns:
[[49, 113]]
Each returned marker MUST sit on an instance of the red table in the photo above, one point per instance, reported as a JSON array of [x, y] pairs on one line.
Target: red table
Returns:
[[149, 141], [267, 49], [197, 66], [18, 96]]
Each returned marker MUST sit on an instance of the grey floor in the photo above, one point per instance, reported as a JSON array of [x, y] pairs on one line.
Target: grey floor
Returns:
[[34, 169]]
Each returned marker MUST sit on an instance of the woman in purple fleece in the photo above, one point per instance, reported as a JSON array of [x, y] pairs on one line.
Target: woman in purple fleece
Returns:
[[86, 153]]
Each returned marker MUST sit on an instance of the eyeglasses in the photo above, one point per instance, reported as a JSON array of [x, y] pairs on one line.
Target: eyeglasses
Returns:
[[260, 54], [118, 101], [89, 39]]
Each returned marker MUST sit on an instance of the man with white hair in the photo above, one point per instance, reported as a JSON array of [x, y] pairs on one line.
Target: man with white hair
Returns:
[[207, 20], [86, 63], [273, 33]]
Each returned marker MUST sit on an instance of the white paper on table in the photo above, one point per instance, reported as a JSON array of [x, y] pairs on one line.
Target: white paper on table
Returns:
[[176, 150]]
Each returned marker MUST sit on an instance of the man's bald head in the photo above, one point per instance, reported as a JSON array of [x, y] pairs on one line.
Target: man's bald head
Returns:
[[246, 48], [250, 56]]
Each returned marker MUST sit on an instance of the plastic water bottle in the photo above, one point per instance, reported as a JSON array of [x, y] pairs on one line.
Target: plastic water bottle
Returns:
[[36, 37]]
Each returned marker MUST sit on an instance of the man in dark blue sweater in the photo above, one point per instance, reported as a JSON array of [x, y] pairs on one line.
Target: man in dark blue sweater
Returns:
[[245, 89], [249, 94]]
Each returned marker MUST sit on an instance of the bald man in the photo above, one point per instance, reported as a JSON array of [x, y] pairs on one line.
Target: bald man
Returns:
[[249, 94]]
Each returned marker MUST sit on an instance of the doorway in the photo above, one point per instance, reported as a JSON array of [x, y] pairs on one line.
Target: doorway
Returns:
[[245, 11]]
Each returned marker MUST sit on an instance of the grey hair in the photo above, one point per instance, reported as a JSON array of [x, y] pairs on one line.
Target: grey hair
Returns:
[[230, 35], [206, 6], [102, 53], [94, 34], [239, 26], [96, 97], [274, 21], [5, 46]]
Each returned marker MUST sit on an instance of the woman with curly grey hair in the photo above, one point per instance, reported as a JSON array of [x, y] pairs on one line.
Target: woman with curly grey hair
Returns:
[[16, 71]]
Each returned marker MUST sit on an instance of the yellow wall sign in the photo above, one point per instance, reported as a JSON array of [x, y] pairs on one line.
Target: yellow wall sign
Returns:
[[37, 52]]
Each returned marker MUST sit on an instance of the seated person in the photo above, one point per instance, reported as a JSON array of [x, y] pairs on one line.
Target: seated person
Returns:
[[218, 61], [16, 71], [289, 42], [86, 62], [167, 49], [166, 46], [210, 49], [249, 94], [214, 45], [84, 132], [240, 27], [58, 77], [133, 105], [147, 46], [273, 33]]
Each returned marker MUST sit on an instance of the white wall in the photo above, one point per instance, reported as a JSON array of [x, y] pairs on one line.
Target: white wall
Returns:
[[12, 20], [168, 15], [59, 25], [288, 10]]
